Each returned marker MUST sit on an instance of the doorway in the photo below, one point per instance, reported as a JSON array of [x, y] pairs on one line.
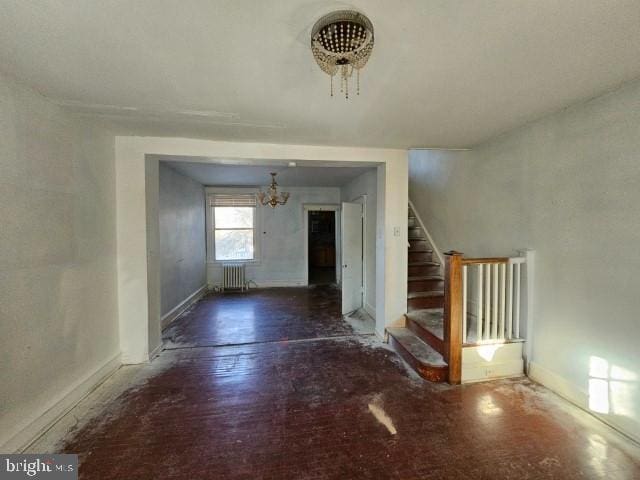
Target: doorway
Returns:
[[321, 243]]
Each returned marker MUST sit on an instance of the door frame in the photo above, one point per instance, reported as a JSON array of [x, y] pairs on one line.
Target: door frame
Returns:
[[362, 200], [326, 207]]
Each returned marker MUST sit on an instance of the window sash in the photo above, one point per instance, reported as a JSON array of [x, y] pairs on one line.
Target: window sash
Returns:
[[250, 239], [241, 201]]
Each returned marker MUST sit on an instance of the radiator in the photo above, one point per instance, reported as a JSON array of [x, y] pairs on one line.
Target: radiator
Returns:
[[233, 276]]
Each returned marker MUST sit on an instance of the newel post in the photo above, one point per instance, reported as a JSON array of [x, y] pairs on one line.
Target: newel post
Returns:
[[453, 315]]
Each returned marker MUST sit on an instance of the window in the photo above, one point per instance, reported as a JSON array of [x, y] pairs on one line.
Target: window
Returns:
[[233, 219]]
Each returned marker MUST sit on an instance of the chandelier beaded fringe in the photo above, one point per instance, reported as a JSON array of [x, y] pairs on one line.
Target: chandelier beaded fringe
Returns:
[[341, 42]]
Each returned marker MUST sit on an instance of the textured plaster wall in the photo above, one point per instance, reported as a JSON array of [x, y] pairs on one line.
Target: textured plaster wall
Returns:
[[58, 285], [182, 237]]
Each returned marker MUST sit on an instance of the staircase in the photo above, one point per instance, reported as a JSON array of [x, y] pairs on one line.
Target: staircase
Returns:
[[420, 341], [473, 332]]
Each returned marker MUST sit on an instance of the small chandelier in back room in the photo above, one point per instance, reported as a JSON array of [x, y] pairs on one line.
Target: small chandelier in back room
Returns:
[[272, 197], [342, 42]]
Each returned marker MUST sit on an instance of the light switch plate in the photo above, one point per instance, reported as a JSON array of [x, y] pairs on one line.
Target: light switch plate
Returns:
[[396, 231]]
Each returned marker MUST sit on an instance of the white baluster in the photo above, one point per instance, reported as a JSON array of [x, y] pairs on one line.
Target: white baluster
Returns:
[[494, 303], [487, 301], [517, 301], [464, 304], [503, 288], [510, 303], [479, 306]]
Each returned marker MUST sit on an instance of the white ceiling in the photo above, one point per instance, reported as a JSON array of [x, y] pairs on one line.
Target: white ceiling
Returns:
[[245, 175], [443, 73]]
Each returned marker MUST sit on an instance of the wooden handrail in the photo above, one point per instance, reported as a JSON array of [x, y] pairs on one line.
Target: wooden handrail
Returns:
[[490, 260]]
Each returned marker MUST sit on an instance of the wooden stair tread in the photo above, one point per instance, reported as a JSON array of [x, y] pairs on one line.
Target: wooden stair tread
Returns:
[[421, 250], [424, 264], [416, 347], [433, 293], [425, 277], [431, 320]]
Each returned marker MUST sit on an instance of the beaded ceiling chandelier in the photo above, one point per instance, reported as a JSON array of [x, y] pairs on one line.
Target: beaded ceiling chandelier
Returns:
[[341, 42]]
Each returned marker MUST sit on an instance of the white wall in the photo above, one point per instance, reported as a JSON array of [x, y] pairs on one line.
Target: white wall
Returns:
[[281, 238], [181, 208], [58, 304], [366, 184], [567, 186]]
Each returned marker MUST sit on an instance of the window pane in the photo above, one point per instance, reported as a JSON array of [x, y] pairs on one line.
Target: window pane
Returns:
[[234, 217], [234, 244]]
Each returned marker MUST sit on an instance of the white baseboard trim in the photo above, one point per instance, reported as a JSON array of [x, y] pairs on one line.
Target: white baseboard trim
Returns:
[[371, 310], [155, 352], [25, 434], [279, 283], [181, 307], [266, 284], [574, 394]]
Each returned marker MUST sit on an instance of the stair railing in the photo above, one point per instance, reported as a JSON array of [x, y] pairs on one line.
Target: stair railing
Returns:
[[482, 304]]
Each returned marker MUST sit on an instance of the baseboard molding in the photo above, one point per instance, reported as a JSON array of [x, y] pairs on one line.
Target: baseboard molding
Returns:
[[279, 283], [181, 307], [266, 284], [155, 352], [40, 422], [574, 394], [371, 310]]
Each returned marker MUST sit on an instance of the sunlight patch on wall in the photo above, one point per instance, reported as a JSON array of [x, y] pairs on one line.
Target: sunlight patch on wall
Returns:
[[611, 388]]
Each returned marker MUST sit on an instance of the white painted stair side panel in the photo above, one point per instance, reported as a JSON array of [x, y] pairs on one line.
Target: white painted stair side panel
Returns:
[[497, 360]]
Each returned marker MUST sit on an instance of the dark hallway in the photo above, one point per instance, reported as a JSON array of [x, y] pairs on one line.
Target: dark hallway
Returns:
[[322, 247]]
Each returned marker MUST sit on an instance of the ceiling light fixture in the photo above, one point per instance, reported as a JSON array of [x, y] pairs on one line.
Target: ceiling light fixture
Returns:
[[271, 197], [342, 42]]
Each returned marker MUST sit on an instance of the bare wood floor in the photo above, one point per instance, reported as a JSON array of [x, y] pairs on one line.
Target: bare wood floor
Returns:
[[318, 408]]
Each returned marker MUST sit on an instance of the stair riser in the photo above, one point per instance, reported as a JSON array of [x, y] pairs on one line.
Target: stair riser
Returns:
[[432, 374], [413, 222], [420, 256], [415, 232], [423, 270], [425, 302], [425, 285], [418, 245], [426, 336]]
